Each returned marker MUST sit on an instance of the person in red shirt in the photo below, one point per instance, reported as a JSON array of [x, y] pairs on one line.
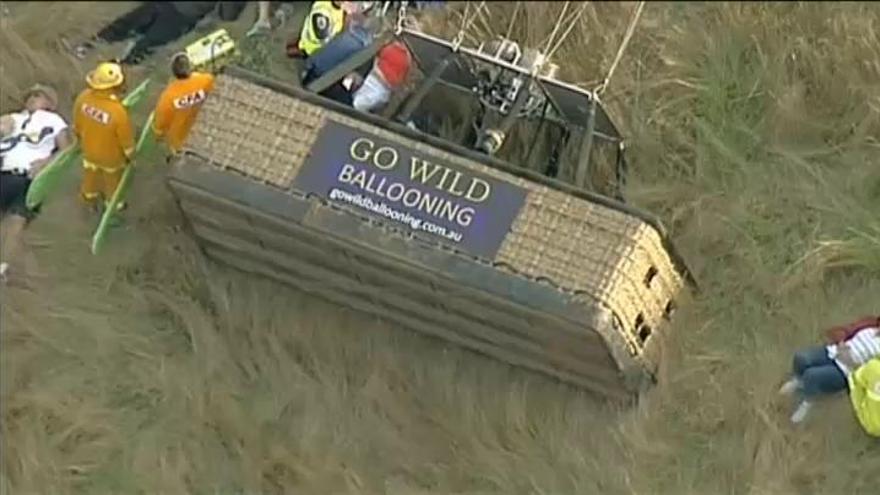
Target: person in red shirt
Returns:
[[389, 72]]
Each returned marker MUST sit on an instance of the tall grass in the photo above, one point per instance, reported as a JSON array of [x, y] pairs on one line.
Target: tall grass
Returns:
[[753, 132]]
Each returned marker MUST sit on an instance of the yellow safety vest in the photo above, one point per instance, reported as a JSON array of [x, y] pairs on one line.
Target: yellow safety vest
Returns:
[[323, 23], [864, 392]]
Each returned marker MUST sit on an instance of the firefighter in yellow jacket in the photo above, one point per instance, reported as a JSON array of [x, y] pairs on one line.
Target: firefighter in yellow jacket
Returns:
[[104, 131]]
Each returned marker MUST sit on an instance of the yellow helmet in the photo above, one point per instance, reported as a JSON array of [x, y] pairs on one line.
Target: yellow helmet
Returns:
[[106, 76]]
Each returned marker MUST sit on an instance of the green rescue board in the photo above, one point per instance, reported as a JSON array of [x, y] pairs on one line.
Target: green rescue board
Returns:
[[47, 180], [122, 188]]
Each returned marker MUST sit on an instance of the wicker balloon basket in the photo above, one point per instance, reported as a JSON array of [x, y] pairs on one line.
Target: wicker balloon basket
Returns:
[[610, 267]]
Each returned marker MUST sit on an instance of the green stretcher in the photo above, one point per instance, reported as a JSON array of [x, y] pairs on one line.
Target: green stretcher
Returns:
[[122, 188], [47, 180]]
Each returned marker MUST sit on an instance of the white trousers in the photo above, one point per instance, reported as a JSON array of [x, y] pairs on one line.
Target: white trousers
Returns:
[[372, 94]]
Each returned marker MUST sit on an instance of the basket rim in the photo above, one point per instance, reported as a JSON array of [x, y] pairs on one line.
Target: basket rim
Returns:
[[235, 72]]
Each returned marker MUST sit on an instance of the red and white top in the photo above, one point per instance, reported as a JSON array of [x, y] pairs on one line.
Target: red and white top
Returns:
[[393, 63], [863, 346]]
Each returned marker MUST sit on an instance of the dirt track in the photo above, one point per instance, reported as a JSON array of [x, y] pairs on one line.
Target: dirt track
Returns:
[[754, 134]]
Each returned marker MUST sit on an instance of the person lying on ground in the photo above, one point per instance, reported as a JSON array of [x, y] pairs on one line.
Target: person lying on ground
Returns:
[[179, 103], [104, 130], [31, 139], [151, 24], [387, 75], [823, 370]]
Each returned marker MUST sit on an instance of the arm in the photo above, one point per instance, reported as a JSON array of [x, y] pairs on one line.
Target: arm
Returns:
[[7, 125], [163, 113], [63, 141], [125, 134], [209, 85], [77, 118]]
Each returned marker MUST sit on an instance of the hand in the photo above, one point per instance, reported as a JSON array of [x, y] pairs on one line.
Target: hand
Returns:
[[352, 82], [38, 165], [845, 356]]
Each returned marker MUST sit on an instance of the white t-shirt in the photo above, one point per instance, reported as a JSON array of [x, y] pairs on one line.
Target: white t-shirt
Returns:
[[34, 135], [863, 346]]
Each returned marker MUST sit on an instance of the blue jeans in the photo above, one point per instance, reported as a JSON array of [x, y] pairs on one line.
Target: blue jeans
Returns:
[[817, 372], [336, 51]]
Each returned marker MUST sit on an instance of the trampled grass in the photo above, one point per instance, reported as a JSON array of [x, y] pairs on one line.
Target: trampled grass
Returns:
[[753, 133]]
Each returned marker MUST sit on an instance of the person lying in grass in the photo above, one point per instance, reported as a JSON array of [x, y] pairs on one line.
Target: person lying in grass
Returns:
[[150, 25], [31, 139], [823, 370]]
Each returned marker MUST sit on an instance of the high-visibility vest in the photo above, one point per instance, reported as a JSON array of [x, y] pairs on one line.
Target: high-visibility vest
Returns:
[[864, 390], [323, 23]]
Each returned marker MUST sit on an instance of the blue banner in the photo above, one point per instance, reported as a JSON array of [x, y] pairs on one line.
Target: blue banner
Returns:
[[414, 190]]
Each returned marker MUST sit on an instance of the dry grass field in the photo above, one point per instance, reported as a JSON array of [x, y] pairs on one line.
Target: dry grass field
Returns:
[[754, 133]]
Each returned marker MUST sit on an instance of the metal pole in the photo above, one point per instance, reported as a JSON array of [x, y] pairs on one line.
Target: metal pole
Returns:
[[621, 171], [413, 102], [492, 139], [538, 129], [583, 171], [552, 169]]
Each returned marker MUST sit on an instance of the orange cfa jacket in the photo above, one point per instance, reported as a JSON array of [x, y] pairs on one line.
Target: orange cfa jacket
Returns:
[[103, 129], [178, 107]]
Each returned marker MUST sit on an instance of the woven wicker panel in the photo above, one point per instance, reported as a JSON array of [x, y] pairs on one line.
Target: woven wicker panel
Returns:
[[579, 246], [586, 247], [630, 296], [255, 131]]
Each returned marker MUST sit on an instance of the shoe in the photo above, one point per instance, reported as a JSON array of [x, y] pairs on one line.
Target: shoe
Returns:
[[128, 51], [4, 267], [280, 17], [790, 387], [259, 27], [801, 412]]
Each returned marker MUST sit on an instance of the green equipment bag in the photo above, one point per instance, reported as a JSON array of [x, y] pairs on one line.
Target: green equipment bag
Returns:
[[864, 389]]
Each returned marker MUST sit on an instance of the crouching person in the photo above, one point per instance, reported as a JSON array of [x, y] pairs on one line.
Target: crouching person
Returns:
[[180, 102], [387, 75], [103, 127], [823, 370], [31, 139]]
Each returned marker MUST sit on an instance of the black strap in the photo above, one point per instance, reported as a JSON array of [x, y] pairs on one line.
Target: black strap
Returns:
[[11, 142]]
